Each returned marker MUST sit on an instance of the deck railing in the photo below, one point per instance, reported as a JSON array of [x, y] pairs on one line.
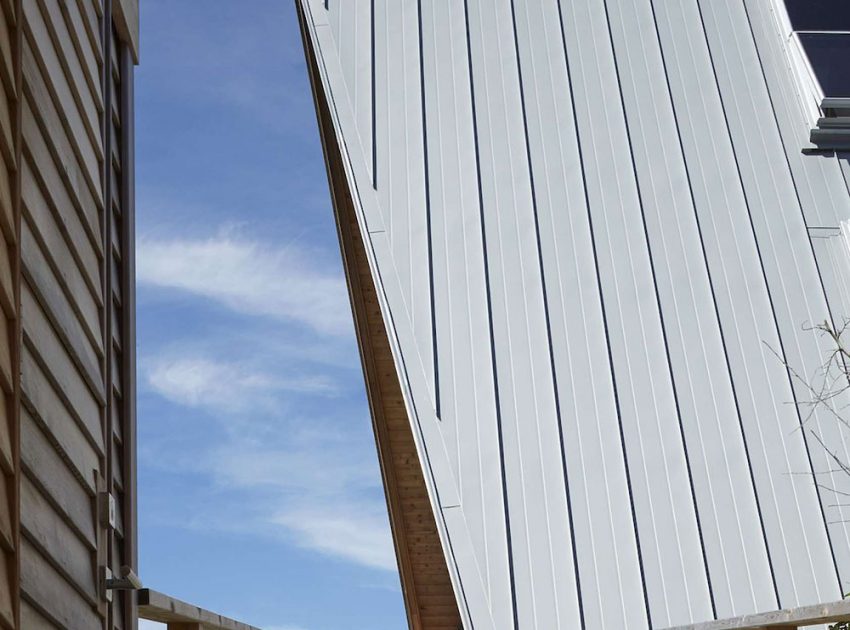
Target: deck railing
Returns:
[[178, 615], [788, 619]]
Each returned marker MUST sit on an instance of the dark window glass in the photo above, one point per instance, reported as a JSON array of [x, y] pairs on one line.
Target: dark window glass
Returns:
[[819, 15], [829, 56]]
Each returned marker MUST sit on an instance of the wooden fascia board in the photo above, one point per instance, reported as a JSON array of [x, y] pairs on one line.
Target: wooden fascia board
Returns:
[[126, 18]]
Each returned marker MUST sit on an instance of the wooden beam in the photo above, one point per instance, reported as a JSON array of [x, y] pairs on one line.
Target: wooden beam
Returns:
[[787, 619], [126, 20], [179, 615]]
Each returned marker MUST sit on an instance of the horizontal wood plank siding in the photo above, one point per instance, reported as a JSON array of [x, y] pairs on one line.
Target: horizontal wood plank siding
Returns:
[[67, 433], [64, 311], [10, 209]]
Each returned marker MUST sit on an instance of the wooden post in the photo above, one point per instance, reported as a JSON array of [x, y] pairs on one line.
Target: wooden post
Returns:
[[184, 626]]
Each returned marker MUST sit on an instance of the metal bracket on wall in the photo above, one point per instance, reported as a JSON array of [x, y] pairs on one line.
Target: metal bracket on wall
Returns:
[[128, 581], [107, 510]]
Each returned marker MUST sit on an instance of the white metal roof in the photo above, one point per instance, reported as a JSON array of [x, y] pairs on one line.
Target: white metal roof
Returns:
[[592, 225]]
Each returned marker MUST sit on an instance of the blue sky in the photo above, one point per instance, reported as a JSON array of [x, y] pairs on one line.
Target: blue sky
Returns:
[[259, 489]]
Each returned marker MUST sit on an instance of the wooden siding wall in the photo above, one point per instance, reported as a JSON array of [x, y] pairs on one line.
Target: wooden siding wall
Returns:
[[74, 420], [10, 154]]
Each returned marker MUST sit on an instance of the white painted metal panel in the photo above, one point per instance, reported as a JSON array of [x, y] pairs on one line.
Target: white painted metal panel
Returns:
[[790, 271], [730, 530], [760, 382], [351, 21], [817, 179], [833, 252], [465, 380], [649, 418], [589, 223], [535, 487], [399, 162], [601, 513]]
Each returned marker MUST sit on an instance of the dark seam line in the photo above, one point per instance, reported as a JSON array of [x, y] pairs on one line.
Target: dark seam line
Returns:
[[403, 366], [797, 194], [106, 225], [427, 461], [787, 159], [547, 315], [342, 150], [427, 173], [660, 308], [374, 102], [814, 257], [490, 315], [844, 174], [604, 316], [758, 248], [716, 307]]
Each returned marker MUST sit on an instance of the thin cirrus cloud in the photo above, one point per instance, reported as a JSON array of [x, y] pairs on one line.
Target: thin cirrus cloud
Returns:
[[229, 386], [313, 482], [250, 277], [315, 467], [320, 490], [357, 533]]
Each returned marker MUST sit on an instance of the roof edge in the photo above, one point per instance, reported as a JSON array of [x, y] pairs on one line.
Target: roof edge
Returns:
[[374, 345]]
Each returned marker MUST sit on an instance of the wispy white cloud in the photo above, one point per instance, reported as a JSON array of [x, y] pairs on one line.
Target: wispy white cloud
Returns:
[[321, 490], [315, 495], [225, 386], [249, 277], [310, 481], [317, 469], [354, 532]]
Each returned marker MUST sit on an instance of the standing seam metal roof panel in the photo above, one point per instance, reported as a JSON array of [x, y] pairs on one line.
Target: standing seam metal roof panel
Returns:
[[593, 231]]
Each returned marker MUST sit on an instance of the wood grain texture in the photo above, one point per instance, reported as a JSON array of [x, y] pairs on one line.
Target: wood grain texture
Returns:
[[127, 23], [176, 613], [10, 330], [73, 327], [62, 340]]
